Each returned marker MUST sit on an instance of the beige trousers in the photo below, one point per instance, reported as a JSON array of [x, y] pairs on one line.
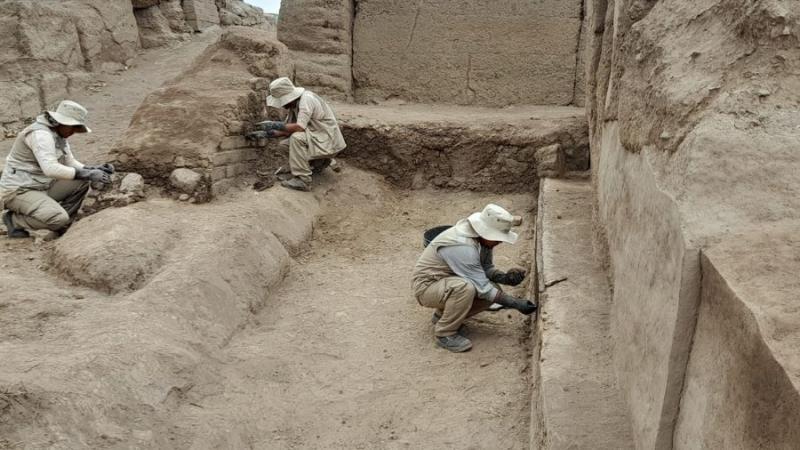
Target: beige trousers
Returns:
[[454, 298], [52, 209], [300, 155]]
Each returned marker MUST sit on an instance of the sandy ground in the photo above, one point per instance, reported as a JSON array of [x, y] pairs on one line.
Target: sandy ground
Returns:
[[343, 356], [339, 356]]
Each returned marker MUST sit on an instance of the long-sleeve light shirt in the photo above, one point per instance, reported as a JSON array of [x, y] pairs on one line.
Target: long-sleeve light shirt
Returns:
[[43, 146], [472, 264]]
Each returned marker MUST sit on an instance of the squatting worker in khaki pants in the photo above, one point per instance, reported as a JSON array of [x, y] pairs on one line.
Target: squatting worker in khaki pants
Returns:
[[43, 185], [312, 129], [455, 274]]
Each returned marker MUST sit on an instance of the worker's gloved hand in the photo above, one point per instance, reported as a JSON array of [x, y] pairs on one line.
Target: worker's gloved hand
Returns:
[[93, 175], [511, 278], [107, 168], [522, 305], [268, 125], [256, 135]]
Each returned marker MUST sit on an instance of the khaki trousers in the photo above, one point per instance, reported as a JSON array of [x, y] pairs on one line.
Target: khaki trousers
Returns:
[[454, 298], [300, 154], [52, 209]]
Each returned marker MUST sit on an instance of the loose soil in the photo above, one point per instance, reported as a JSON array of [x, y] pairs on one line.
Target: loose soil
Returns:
[[343, 356]]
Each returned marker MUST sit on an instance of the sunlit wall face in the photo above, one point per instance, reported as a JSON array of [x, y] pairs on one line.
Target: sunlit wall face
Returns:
[[270, 6]]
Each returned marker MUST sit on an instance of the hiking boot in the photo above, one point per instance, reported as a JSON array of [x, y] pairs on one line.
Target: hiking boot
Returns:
[[296, 184], [455, 343], [14, 232]]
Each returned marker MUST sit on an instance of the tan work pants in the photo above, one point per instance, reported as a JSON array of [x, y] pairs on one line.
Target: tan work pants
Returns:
[[454, 298], [52, 209], [300, 154]]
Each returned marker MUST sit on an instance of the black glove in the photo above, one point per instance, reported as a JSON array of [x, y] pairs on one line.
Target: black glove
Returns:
[[93, 175], [256, 135], [270, 125], [107, 168], [522, 305], [511, 278]]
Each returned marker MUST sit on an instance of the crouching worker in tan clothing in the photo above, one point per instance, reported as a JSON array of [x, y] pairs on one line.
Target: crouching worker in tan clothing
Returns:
[[43, 185], [312, 129], [455, 274]]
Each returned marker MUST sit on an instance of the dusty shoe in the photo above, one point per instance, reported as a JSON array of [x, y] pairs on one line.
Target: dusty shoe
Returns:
[[296, 184], [455, 343], [14, 232]]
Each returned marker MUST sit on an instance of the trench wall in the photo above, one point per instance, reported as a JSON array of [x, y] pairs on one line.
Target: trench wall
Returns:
[[690, 110], [435, 51]]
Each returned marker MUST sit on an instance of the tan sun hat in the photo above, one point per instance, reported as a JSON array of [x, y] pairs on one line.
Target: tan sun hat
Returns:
[[72, 114], [493, 224], [282, 92]]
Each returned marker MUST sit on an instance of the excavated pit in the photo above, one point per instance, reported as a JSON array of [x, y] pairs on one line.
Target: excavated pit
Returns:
[[181, 331]]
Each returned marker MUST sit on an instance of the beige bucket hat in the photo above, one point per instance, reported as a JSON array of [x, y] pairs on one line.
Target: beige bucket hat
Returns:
[[282, 92], [72, 114], [493, 223]]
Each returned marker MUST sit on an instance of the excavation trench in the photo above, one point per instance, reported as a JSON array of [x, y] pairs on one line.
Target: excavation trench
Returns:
[[196, 340], [341, 356]]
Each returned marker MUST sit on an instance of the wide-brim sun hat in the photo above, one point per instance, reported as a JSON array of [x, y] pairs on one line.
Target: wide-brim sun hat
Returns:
[[71, 114], [494, 224], [282, 92]]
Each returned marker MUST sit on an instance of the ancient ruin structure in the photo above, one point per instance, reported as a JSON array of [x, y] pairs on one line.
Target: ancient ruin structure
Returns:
[[648, 144]]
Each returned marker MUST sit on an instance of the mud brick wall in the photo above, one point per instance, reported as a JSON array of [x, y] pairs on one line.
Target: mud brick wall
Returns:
[[467, 51], [234, 157], [201, 14]]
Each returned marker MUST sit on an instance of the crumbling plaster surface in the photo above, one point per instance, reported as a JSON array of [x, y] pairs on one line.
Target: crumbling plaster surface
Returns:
[[463, 52], [693, 113]]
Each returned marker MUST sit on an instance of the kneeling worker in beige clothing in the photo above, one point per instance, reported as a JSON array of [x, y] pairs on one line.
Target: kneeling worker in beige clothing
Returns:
[[455, 274], [312, 129], [43, 185]]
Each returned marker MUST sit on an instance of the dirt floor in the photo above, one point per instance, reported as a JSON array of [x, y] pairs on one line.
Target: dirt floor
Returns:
[[339, 355], [343, 357]]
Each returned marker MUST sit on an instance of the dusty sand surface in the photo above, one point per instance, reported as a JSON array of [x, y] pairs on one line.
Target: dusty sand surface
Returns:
[[339, 355], [343, 356]]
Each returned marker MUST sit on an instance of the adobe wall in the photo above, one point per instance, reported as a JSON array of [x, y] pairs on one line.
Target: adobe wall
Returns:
[[197, 120], [693, 111], [319, 35], [467, 52]]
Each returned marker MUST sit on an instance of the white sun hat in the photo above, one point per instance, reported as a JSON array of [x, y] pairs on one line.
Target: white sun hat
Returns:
[[282, 92], [72, 114], [493, 224]]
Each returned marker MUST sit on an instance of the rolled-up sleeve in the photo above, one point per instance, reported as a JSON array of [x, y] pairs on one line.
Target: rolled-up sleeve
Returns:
[[465, 261], [44, 149]]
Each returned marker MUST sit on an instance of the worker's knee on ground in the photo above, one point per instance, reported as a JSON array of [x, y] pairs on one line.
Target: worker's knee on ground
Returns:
[[56, 220]]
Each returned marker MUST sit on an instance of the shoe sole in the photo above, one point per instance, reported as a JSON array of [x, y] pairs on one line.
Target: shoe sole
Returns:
[[456, 349]]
